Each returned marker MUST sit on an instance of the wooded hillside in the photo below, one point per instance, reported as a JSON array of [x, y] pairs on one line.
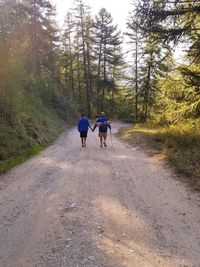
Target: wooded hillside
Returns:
[[48, 74]]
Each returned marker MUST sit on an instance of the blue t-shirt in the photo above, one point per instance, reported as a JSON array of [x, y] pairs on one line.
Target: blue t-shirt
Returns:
[[83, 125], [103, 125]]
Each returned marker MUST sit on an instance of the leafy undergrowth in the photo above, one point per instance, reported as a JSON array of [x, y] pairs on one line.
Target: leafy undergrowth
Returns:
[[179, 144]]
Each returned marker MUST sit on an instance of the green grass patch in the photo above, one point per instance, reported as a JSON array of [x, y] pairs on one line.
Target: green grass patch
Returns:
[[35, 126], [21, 145], [179, 144], [12, 162]]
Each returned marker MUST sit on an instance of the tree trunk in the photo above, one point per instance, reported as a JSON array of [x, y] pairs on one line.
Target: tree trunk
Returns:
[[104, 79], [85, 64], [71, 67], [136, 75]]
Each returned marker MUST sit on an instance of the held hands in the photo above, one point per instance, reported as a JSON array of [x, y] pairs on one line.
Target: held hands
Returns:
[[92, 129]]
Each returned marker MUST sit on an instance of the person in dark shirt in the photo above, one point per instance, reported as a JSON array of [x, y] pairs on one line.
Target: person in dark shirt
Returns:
[[103, 123], [83, 125]]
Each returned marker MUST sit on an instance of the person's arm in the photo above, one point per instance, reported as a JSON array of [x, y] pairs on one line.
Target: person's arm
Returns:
[[94, 127], [96, 124], [108, 124], [90, 126], [79, 126]]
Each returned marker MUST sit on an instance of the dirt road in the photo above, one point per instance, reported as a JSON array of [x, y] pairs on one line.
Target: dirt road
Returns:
[[96, 207]]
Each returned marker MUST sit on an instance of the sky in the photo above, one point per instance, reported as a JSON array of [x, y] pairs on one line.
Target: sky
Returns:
[[118, 9]]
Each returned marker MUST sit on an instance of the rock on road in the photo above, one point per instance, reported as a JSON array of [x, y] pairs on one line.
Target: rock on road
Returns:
[[96, 207]]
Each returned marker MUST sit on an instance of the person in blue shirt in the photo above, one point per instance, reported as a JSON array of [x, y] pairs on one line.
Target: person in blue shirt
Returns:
[[103, 123], [83, 125]]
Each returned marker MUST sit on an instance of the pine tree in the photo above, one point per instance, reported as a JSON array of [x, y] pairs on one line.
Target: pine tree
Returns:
[[108, 41], [136, 42], [39, 35], [11, 63], [81, 11], [174, 21], [69, 53]]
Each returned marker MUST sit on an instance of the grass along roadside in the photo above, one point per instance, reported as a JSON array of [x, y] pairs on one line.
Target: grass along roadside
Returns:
[[23, 151], [179, 145], [12, 162]]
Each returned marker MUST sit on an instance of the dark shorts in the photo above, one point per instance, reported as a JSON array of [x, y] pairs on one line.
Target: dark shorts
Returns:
[[83, 134]]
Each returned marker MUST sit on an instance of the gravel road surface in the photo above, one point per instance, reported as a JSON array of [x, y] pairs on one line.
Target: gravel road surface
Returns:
[[97, 207]]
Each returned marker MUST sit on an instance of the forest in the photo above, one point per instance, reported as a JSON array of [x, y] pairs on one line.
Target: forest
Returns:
[[49, 74]]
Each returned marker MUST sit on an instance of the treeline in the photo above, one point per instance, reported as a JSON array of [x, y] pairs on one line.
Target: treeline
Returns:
[[48, 75], [29, 51], [82, 62], [93, 60], [34, 99], [165, 90]]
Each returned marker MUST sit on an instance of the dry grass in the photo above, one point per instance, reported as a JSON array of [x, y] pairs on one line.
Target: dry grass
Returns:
[[179, 145]]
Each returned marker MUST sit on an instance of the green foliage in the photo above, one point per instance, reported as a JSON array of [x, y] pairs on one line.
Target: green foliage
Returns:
[[166, 92], [176, 101], [34, 124], [92, 59], [33, 107], [10, 163], [45, 80]]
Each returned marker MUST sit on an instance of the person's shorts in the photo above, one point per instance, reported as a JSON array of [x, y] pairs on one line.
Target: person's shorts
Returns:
[[102, 134], [83, 134]]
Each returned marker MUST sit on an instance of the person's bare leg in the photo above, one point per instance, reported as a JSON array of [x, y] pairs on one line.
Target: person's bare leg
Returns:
[[101, 141], [104, 140], [82, 142], [85, 141]]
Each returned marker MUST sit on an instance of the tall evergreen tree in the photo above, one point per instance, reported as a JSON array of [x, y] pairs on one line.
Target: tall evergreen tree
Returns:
[[11, 59], [39, 35], [136, 42], [174, 21], [151, 55], [81, 12], [69, 53], [108, 41]]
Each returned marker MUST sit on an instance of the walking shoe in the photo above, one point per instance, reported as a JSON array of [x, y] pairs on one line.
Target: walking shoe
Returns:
[[101, 145], [104, 144]]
